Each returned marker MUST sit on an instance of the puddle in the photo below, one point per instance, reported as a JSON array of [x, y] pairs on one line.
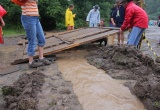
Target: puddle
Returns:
[[94, 88]]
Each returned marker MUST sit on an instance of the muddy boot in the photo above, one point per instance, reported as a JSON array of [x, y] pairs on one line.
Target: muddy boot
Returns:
[[45, 61], [35, 64]]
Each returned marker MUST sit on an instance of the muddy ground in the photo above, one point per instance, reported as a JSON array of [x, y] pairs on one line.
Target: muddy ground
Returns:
[[22, 88], [128, 63], [44, 89], [54, 92]]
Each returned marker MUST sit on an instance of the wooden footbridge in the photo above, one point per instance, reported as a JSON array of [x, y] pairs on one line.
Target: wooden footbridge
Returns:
[[56, 42]]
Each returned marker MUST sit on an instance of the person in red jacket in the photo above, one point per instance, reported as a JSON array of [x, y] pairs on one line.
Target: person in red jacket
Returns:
[[135, 18]]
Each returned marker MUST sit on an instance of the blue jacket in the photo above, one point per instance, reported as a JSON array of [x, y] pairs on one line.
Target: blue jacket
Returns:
[[120, 13], [112, 14]]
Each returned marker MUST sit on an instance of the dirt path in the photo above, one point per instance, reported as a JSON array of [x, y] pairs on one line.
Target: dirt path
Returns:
[[94, 88]]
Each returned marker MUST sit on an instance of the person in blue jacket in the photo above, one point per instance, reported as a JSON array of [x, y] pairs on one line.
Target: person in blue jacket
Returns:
[[94, 17], [119, 19]]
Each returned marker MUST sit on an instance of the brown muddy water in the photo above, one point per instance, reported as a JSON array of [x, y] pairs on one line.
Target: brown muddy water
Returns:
[[94, 88]]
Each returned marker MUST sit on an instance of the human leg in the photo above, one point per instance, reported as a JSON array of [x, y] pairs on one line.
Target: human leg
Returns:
[[68, 28], [41, 43], [122, 38], [91, 24], [135, 36], [95, 24], [139, 37], [72, 27], [119, 38], [29, 24]]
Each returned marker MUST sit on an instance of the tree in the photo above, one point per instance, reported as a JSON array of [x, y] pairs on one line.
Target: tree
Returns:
[[52, 12]]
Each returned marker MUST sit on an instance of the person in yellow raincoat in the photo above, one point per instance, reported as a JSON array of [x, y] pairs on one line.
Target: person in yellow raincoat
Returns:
[[69, 18]]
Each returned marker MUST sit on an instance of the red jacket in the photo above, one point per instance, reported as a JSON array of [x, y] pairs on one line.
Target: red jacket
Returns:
[[135, 16]]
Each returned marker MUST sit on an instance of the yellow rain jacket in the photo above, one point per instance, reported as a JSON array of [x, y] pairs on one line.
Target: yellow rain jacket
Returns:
[[69, 18]]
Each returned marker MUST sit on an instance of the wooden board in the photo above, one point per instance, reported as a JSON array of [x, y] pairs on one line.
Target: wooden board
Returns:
[[57, 42]]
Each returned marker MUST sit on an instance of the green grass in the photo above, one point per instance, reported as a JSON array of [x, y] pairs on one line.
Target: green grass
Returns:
[[12, 32]]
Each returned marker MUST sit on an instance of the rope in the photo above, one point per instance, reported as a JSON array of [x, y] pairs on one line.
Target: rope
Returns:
[[150, 47]]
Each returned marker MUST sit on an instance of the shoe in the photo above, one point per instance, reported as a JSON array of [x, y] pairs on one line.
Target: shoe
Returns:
[[35, 64], [45, 61], [24, 37]]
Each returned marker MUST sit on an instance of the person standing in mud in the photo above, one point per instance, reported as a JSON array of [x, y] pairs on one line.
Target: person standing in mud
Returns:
[[34, 32], [69, 18], [93, 17], [135, 18]]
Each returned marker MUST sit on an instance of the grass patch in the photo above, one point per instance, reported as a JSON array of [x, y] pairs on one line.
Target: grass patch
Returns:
[[13, 33]]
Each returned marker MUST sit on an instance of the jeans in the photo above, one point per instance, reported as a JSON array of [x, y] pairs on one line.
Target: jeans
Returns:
[[135, 36], [34, 32]]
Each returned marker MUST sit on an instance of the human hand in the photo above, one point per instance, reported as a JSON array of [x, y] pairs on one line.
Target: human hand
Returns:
[[3, 23], [114, 24], [120, 31]]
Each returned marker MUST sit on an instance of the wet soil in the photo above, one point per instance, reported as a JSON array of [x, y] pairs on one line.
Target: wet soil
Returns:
[[44, 89], [22, 95], [128, 63], [23, 88]]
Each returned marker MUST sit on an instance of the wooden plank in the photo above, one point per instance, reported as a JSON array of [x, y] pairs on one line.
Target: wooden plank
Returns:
[[84, 34], [91, 31], [96, 37], [89, 34], [19, 54], [65, 32], [76, 43], [65, 46], [110, 40], [48, 35], [113, 28], [73, 34], [49, 43]]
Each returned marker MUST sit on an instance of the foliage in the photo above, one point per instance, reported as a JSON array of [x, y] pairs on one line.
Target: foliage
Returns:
[[52, 12]]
